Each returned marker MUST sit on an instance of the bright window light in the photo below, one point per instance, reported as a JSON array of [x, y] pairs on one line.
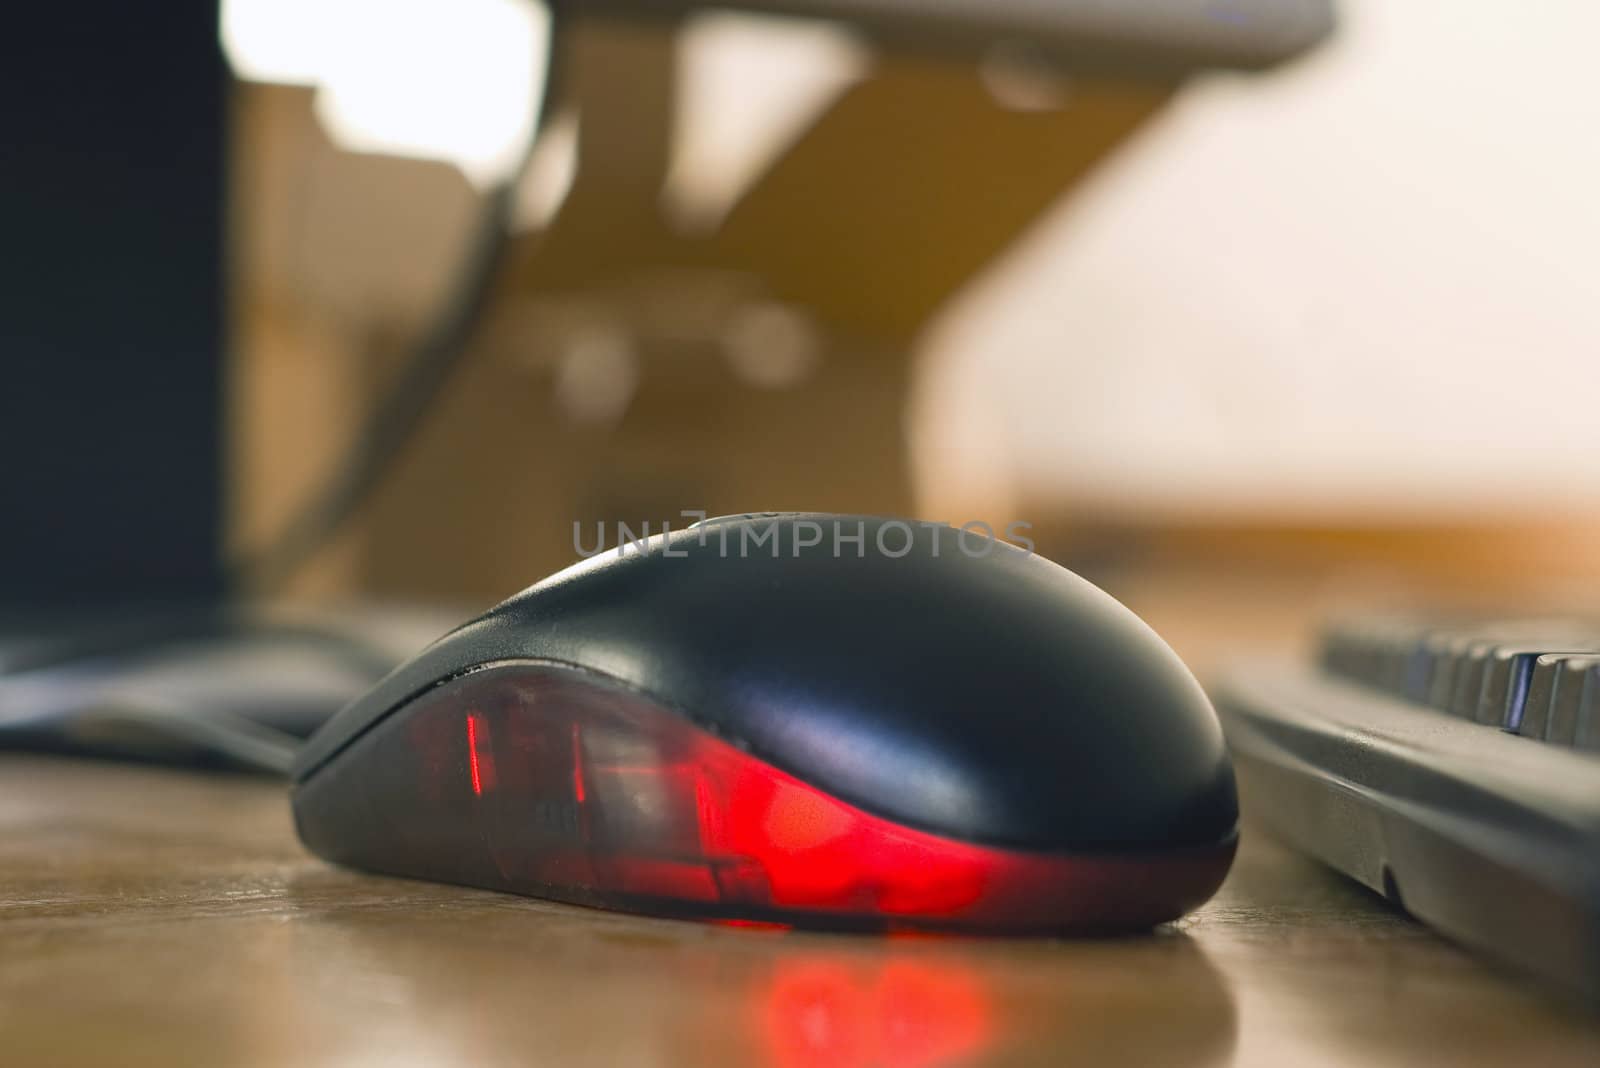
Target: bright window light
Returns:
[[449, 80], [277, 40], [749, 86]]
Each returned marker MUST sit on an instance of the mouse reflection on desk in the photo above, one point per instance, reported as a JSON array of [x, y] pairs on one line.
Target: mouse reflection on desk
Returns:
[[747, 719], [946, 1003]]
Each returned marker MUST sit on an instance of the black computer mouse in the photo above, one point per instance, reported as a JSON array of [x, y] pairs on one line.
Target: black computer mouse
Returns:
[[801, 718]]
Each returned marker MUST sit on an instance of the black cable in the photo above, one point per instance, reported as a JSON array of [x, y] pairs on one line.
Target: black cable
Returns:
[[395, 420]]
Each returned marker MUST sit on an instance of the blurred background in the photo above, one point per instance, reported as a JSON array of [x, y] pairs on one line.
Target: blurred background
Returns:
[[1238, 345]]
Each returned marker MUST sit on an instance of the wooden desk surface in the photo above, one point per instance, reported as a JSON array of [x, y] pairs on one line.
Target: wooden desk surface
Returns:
[[151, 917]]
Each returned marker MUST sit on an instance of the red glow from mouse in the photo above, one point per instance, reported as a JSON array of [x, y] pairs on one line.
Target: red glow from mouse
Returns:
[[579, 794], [480, 759], [823, 1013]]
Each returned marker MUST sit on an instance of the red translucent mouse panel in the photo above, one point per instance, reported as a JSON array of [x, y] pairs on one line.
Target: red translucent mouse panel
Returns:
[[548, 781]]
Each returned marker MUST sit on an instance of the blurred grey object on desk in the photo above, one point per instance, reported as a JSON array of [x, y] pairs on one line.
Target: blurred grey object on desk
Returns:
[[1182, 34], [209, 686]]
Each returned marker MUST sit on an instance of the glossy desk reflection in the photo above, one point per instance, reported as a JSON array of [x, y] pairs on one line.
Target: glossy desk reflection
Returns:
[[153, 917]]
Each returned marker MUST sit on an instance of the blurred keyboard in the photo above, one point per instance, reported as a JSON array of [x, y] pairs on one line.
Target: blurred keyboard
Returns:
[[1451, 765], [1537, 679]]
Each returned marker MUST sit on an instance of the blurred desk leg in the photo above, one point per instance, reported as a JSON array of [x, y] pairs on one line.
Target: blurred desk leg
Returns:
[[634, 367]]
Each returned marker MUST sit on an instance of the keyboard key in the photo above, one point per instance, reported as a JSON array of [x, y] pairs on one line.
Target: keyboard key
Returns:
[[1450, 650], [1504, 694], [1535, 721], [1567, 700], [1467, 683], [1588, 730], [1418, 671], [1430, 664], [1397, 639]]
